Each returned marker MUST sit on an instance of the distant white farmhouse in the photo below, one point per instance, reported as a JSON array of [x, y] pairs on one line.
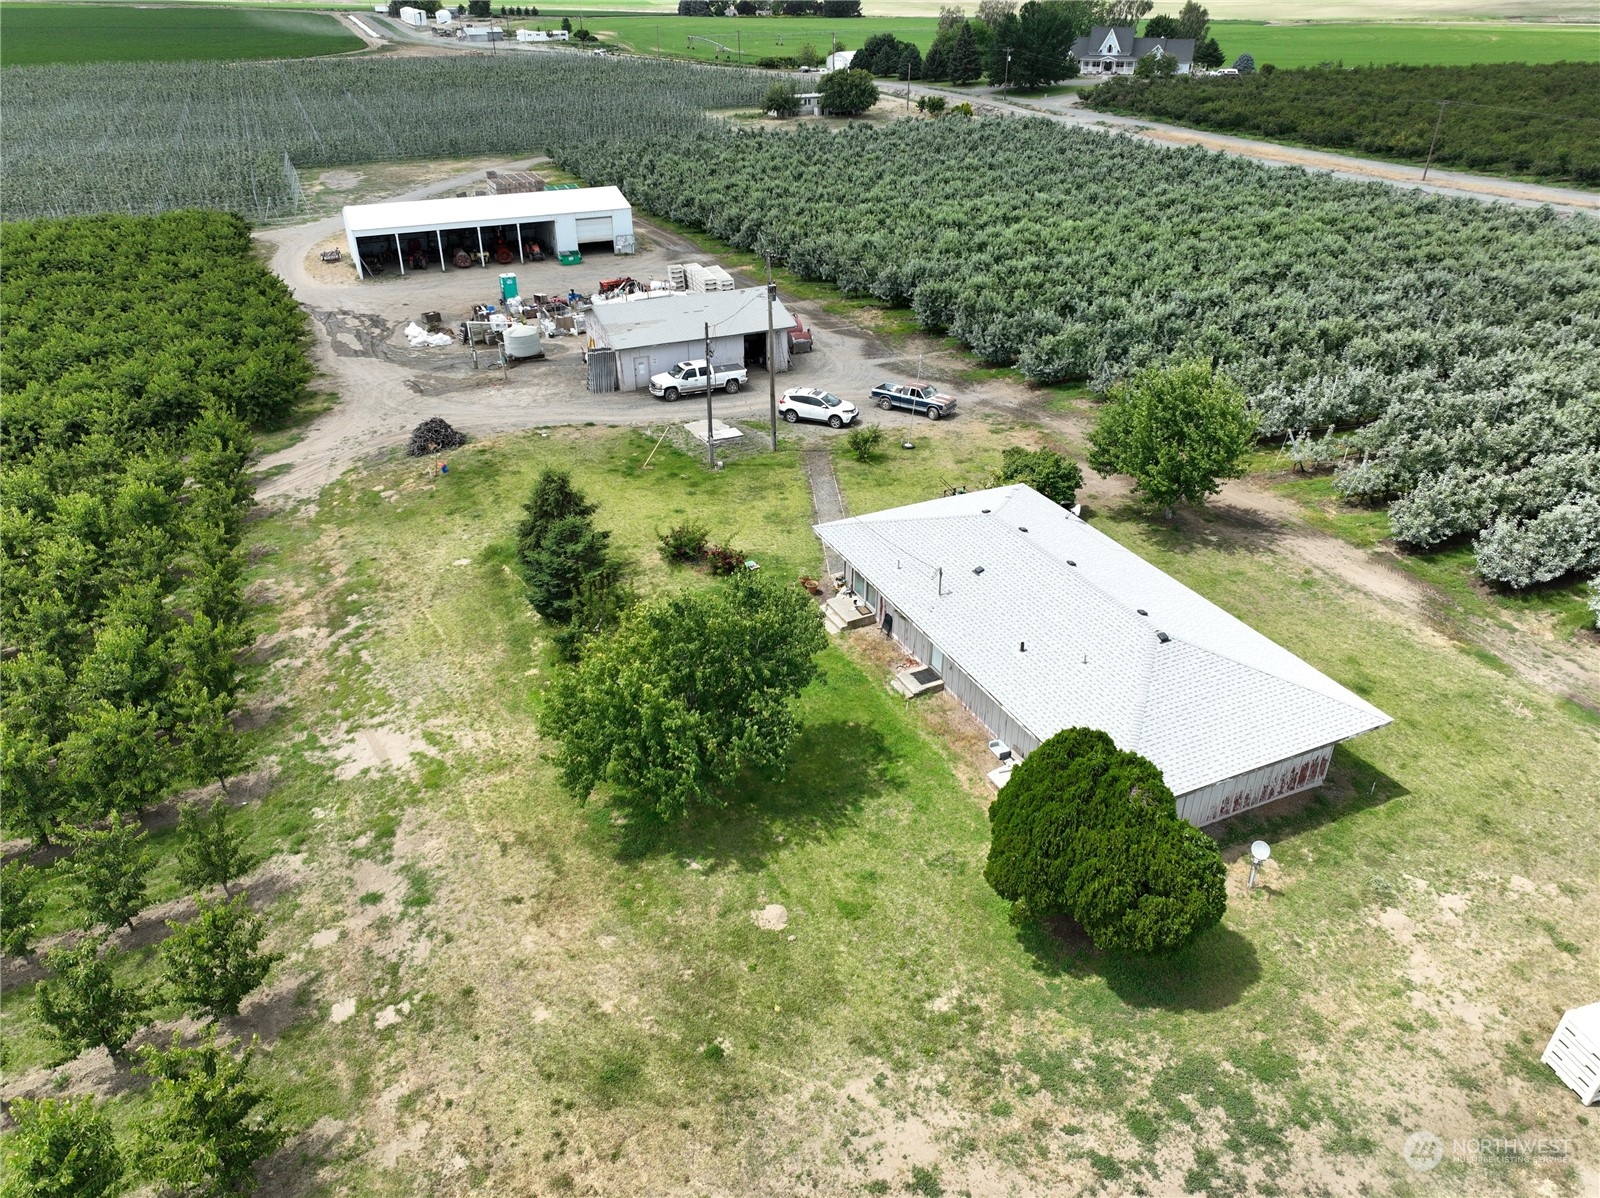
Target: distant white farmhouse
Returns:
[[1113, 50], [1038, 622]]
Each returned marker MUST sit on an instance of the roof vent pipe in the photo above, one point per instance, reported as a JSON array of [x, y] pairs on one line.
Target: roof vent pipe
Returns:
[[1163, 637], [1022, 646]]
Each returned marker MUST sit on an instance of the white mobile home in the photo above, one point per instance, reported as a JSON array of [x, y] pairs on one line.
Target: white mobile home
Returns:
[[428, 233], [650, 332], [1037, 622], [543, 35]]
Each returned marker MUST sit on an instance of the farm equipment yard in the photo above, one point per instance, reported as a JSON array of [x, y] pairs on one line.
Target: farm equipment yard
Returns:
[[386, 386]]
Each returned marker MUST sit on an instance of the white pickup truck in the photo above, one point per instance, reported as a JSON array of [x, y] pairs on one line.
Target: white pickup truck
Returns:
[[689, 378]]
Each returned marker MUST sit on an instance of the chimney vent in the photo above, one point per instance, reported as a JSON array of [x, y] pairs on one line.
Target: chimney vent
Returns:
[[1163, 637]]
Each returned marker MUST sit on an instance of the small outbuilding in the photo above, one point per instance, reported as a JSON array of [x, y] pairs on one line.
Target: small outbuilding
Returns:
[[413, 16], [423, 234], [649, 332], [840, 60], [1037, 622]]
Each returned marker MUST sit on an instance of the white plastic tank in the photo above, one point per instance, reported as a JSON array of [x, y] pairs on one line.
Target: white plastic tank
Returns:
[[522, 341]]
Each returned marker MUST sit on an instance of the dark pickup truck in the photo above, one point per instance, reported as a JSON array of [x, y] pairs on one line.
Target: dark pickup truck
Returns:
[[920, 399]]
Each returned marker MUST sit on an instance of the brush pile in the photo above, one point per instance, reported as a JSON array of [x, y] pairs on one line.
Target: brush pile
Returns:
[[432, 436]]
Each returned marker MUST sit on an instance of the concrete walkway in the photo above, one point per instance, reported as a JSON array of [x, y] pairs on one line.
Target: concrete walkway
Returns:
[[827, 502]]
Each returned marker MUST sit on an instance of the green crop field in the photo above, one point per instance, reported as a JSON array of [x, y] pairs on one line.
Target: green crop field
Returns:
[[45, 33], [1361, 44]]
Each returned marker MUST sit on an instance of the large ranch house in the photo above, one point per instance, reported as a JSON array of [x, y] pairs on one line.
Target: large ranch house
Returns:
[[1037, 622], [1113, 50]]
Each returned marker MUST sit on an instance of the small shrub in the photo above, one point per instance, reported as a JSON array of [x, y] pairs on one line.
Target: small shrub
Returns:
[[925, 1181], [685, 543], [723, 560], [864, 443]]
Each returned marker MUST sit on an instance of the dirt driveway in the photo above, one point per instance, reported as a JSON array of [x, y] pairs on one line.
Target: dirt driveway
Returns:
[[386, 388]]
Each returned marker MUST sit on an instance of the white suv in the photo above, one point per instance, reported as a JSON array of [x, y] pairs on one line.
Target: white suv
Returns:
[[813, 403]]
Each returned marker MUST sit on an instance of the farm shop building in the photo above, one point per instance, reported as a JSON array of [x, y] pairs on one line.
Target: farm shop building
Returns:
[[647, 333], [423, 234], [1038, 622]]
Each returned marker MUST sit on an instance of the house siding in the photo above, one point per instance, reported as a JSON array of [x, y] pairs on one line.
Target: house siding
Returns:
[[1245, 791], [957, 681], [1207, 805]]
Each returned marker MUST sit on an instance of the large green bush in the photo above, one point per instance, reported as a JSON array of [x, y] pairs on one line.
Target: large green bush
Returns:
[[1087, 831], [689, 692]]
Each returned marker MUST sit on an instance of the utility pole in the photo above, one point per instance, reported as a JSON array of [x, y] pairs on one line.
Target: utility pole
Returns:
[[772, 361], [1435, 140], [1005, 90], [711, 444], [908, 86]]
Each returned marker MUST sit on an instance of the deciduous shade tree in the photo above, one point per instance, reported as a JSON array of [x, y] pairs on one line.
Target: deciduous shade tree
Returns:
[[690, 691], [60, 1148], [1123, 12], [782, 100], [212, 851], [1193, 21], [848, 92], [1162, 26], [108, 870], [212, 1120], [215, 960], [82, 1002], [1086, 831], [1054, 476], [1178, 431], [20, 904]]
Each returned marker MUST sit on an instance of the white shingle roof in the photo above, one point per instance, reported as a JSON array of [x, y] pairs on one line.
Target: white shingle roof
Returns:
[[667, 318], [1215, 700]]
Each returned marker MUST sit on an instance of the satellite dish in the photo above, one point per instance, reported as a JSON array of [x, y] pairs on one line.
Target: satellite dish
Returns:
[[1260, 851]]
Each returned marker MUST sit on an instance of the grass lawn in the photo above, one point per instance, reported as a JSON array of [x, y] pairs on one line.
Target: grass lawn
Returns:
[[42, 33], [1363, 44], [590, 1007]]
